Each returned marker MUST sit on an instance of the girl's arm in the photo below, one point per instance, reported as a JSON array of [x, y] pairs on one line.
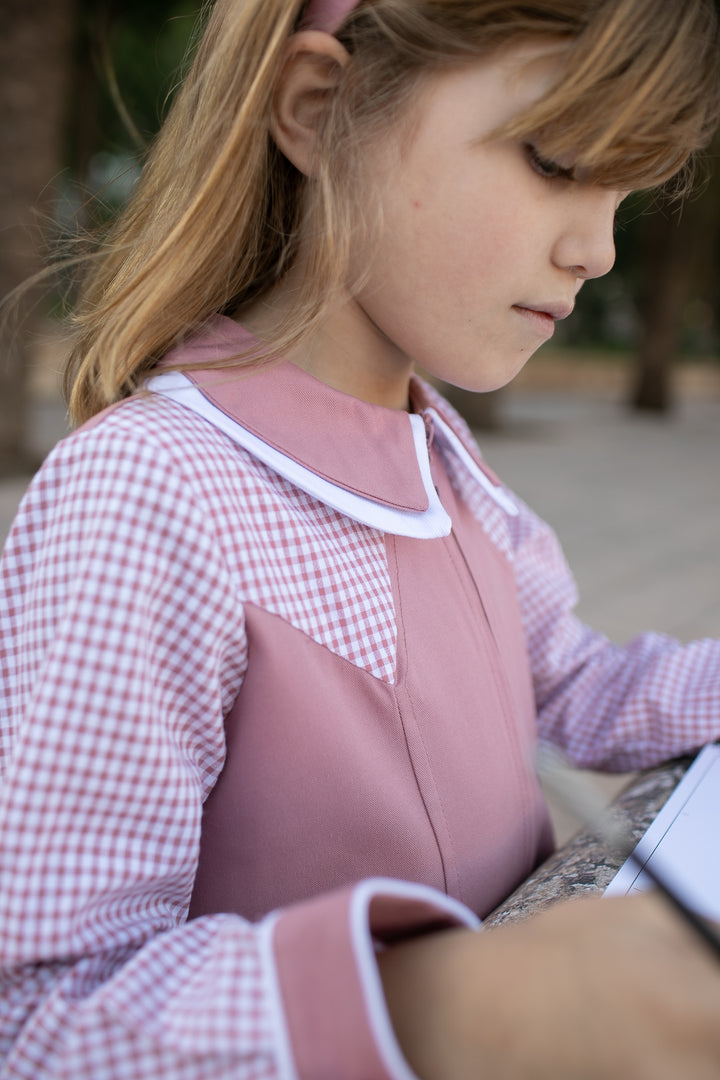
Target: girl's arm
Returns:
[[122, 647], [609, 706], [593, 989]]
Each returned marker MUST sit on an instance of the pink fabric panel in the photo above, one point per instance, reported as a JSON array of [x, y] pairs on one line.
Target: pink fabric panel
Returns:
[[317, 790], [429, 780], [492, 583], [464, 690]]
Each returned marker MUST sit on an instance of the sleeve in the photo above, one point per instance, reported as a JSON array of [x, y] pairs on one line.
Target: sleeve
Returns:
[[121, 648], [607, 706]]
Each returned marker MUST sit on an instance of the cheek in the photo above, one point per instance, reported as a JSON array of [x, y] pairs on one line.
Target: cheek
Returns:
[[475, 226], [445, 240], [458, 235], [471, 256]]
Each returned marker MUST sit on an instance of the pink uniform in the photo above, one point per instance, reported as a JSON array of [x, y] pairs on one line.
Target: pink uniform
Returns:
[[275, 656]]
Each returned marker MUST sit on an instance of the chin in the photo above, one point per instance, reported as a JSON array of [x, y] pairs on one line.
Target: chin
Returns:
[[483, 383], [478, 380]]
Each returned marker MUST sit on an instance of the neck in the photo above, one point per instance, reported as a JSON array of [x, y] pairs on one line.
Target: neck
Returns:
[[347, 351]]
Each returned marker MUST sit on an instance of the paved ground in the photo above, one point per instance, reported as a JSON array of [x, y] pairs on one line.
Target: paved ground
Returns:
[[636, 502]]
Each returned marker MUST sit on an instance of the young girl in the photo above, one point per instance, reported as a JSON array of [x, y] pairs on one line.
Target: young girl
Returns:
[[276, 644]]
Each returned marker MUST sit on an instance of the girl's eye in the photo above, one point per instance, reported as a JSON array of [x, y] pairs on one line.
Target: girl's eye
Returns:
[[545, 167]]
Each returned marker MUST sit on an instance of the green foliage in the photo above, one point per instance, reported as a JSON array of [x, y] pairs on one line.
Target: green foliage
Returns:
[[127, 61], [145, 44]]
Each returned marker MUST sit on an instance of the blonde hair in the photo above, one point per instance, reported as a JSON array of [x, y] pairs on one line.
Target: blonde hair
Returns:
[[219, 214]]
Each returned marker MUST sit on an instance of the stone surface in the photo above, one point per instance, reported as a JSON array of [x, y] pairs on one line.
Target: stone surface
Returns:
[[585, 864]]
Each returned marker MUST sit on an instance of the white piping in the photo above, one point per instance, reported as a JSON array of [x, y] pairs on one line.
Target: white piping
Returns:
[[504, 501], [420, 524], [266, 935], [363, 894]]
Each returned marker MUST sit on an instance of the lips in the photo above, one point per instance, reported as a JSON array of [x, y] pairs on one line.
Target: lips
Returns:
[[555, 311], [542, 318]]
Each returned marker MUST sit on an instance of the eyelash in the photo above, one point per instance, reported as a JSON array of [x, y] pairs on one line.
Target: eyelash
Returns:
[[545, 167]]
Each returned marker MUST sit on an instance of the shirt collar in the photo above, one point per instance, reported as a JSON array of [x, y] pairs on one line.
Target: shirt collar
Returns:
[[366, 461]]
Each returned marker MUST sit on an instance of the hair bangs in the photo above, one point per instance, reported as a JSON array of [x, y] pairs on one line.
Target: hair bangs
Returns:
[[632, 107]]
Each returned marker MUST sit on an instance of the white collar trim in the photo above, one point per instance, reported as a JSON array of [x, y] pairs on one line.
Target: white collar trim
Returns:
[[427, 524], [447, 435]]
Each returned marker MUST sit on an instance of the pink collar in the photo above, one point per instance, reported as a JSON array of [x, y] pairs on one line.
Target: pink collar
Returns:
[[366, 449], [368, 462]]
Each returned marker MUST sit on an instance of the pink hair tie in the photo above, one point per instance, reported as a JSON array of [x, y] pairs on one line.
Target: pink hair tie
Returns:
[[327, 15]]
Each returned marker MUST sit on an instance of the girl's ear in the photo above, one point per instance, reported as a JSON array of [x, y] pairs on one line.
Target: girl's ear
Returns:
[[314, 64]]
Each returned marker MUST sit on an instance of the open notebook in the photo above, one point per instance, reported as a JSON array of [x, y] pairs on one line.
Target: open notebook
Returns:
[[683, 842]]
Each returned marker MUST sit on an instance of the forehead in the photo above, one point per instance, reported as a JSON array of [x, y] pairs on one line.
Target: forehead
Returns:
[[530, 69], [491, 90]]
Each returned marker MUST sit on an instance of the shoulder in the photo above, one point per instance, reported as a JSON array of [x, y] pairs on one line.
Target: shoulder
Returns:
[[144, 474], [145, 427], [144, 444]]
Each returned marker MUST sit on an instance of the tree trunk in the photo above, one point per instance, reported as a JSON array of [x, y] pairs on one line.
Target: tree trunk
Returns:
[[35, 56], [678, 247], [666, 269]]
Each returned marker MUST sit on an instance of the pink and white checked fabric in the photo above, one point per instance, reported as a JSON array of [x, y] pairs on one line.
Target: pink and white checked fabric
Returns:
[[123, 647]]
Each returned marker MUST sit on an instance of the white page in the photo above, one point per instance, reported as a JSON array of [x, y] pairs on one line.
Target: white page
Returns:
[[683, 842]]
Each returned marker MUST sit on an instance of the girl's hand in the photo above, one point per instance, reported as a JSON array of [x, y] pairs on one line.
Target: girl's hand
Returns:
[[589, 990]]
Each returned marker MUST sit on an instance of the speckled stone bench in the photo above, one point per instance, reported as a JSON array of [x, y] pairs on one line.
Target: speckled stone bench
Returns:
[[585, 864]]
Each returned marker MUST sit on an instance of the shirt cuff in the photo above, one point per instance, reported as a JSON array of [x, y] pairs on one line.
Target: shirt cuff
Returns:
[[330, 1004]]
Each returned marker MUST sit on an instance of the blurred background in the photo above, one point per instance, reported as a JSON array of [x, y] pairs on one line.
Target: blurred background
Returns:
[[612, 431]]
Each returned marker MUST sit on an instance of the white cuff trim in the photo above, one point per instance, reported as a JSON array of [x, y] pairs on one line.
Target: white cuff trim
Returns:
[[379, 1020], [285, 1059]]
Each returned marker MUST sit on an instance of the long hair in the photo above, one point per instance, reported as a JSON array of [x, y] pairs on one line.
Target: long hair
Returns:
[[219, 214]]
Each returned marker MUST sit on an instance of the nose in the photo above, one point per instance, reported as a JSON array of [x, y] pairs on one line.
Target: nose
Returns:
[[585, 245]]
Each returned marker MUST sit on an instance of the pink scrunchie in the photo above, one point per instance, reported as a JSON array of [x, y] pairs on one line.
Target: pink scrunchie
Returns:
[[327, 15]]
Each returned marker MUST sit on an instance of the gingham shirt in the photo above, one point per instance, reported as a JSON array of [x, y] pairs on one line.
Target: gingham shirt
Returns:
[[123, 648]]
